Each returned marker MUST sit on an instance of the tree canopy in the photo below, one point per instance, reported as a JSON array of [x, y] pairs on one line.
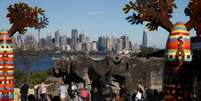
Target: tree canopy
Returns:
[[193, 10], [21, 16], [158, 13]]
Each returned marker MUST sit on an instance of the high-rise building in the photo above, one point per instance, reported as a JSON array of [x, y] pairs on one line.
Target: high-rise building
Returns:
[[56, 39], [62, 41], [144, 39], [74, 38], [78, 46], [20, 41], [82, 38], [119, 44], [49, 42], [109, 44], [130, 46], [87, 39], [31, 42], [93, 46], [86, 46], [68, 40], [101, 43], [125, 42], [114, 43], [42, 44]]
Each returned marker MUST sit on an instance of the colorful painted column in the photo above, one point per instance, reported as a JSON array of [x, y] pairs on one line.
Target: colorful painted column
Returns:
[[178, 47], [177, 82], [6, 67]]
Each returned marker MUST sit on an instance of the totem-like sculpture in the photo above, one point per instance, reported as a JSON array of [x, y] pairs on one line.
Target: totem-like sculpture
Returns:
[[178, 70], [178, 53], [6, 67], [178, 47]]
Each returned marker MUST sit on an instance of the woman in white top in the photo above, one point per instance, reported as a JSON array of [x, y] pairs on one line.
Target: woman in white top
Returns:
[[62, 90], [43, 91]]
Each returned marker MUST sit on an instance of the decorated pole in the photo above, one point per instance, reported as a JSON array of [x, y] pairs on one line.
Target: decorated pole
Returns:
[[6, 67], [178, 53]]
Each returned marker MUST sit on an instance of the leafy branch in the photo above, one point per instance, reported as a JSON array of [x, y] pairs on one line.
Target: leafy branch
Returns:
[[155, 12]]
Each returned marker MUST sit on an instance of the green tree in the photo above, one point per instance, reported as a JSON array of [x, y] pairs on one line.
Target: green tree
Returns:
[[38, 77], [21, 16]]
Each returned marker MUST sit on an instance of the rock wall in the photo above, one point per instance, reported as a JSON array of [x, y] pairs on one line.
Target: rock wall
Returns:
[[134, 69]]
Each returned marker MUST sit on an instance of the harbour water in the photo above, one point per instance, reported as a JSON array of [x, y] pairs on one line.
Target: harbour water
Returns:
[[39, 64], [42, 63]]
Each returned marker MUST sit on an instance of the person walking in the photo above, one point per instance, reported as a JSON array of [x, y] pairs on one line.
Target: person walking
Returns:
[[96, 95], [140, 93], [123, 92], [43, 91], [37, 91], [62, 90], [84, 94], [24, 91]]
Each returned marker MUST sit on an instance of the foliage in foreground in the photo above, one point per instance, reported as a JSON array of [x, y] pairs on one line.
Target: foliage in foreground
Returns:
[[33, 78]]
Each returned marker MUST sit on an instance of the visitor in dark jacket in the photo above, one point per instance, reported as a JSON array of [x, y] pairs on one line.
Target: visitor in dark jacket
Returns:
[[96, 95], [24, 91]]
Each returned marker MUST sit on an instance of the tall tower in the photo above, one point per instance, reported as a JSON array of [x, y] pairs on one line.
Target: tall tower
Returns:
[[108, 43], [101, 43], [74, 38], [125, 42], [57, 36], [82, 38], [144, 39]]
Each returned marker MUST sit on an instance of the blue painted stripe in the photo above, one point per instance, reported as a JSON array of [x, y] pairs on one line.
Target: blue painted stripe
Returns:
[[180, 28], [7, 62], [10, 72], [6, 44], [188, 59], [10, 88], [175, 39], [11, 96]]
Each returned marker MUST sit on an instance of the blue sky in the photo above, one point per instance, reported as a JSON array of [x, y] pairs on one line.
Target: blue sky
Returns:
[[94, 18]]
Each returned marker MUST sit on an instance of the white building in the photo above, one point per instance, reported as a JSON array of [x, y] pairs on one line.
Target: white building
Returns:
[[93, 46]]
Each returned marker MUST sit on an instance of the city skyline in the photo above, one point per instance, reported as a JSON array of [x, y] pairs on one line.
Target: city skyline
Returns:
[[76, 42], [94, 18]]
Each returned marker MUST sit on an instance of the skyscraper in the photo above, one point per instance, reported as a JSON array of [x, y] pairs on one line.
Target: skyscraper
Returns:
[[19, 41], [42, 44], [62, 41], [144, 39], [101, 43], [93, 46], [82, 38], [125, 42], [108, 44], [49, 42], [56, 40], [74, 38], [119, 44]]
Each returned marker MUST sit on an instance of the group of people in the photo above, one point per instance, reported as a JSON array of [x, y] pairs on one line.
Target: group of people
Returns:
[[66, 93], [40, 92], [82, 92]]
